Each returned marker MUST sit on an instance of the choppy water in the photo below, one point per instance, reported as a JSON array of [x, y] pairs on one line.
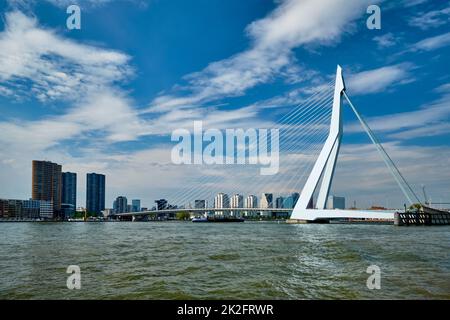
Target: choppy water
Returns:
[[175, 260]]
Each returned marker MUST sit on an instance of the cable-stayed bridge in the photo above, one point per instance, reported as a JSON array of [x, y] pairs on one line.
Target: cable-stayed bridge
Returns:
[[310, 131]]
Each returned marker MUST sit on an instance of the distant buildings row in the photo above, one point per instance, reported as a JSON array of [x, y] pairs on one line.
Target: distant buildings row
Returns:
[[54, 194], [222, 200]]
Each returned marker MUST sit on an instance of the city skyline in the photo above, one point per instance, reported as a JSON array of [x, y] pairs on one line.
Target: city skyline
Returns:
[[117, 117]]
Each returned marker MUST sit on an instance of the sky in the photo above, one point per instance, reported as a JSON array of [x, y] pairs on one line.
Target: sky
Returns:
[[106, 98]]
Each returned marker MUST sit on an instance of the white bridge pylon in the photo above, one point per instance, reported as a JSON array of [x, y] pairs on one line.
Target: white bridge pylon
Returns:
[[325, 166]]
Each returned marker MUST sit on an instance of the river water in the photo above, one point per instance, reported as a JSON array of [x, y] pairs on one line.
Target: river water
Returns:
[[251, 260]]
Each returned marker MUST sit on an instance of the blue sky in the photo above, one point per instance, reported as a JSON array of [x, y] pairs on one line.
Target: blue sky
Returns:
[[107, 97]]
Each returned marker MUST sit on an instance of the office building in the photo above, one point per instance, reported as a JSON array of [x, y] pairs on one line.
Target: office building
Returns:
[[199, 204], [4, 208], [161, 204], [46, 209], [47, 183], [69, 188], [95, 193], [251, 201], [221, 201], [279, 202], [336, 202], [237, 201], [136, 205], [10, 208], [31, 208], [266, 200], [295, 196], [120, 205]]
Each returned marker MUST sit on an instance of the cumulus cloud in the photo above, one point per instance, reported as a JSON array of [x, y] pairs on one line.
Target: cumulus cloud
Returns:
[[55, 68], [386, 40], [428, 120], [432, 43], [381, 79], [431, 19], [294, 23]]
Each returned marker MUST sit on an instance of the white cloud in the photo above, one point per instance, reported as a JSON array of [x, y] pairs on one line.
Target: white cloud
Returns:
[[432, 43], [362, 175], [431, 119], [386, 40], [294, 23], [431, 19], [377, 80], [109, 116], [54, 67]]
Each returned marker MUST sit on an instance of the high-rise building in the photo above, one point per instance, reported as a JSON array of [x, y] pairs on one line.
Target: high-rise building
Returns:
[[69, 192], [237, 201], [279, 202], [136, 205], [161, 204], [95, 193], [336, 202], [295, 196], [266, 200], [199, 204], [121, 204], [221, 201], [47, 183], [251, 201]]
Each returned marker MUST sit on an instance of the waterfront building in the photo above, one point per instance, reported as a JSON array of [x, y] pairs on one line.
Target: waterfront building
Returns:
[[335, 202], [69, 191], [4, 208], [221, 200], [136, 204], [26, 209], [107, 212], [295, 196], [31, 208], [251, 201], [95, 193], [47, 183], [144, 209], [237, 201], [289, 202], [266, 200], [199, 204], [67, 210], [46, 209], [121, 204], [279, 202], [161, 204], [12, 208]]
